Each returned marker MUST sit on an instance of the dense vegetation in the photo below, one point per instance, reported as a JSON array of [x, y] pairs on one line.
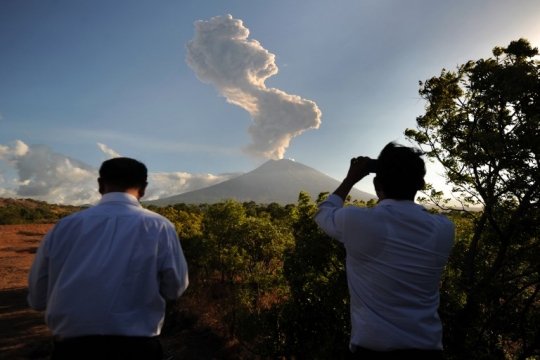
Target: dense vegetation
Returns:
[[281, 290], [279, 281]]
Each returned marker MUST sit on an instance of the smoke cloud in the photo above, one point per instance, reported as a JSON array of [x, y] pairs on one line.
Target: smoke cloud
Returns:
[[108, 151], [221, 54], [56, 178]]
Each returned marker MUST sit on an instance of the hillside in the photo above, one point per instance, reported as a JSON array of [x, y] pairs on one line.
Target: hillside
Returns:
[[24, 211]]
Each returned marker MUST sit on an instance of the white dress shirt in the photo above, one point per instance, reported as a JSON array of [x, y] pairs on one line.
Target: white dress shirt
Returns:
[[396, 252], [108, 270]]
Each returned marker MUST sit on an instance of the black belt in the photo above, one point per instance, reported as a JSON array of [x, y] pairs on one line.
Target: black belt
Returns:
[[417, 354]]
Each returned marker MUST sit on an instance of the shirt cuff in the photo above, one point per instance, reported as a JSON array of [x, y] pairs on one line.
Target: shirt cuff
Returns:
[[335, 200]]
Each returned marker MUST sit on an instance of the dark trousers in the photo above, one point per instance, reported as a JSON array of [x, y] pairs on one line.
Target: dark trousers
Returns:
[[107, 347], [414, 354]]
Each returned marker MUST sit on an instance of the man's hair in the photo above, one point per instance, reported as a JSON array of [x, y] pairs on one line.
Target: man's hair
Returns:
[[124, 173], [400, 171]]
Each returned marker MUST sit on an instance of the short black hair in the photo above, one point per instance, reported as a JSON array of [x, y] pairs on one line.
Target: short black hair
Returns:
[[124, 173], [400, 171]]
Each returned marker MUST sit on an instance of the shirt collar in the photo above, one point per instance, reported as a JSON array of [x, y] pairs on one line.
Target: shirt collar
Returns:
[[121, 197], [403, 203]]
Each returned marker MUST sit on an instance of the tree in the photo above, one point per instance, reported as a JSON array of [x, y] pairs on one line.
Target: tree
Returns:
[[261, 284], [220, 229], [315, 318], [482, 123]]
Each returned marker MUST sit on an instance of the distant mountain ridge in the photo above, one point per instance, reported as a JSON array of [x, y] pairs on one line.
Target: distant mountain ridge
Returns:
[[278, 181]]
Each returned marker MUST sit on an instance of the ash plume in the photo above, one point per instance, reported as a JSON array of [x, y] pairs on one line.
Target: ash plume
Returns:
[[221, 54], [107, 150]]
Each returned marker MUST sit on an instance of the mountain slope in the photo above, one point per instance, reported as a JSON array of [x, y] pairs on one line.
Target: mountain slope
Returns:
[[278, 181]]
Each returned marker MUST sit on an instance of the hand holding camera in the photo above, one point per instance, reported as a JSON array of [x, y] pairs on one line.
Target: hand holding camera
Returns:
[[360, 167]]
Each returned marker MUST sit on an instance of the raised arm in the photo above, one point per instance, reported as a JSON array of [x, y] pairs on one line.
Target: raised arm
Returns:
[[357, 171]]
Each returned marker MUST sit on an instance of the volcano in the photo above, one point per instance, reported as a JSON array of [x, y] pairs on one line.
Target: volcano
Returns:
[[278, 181]]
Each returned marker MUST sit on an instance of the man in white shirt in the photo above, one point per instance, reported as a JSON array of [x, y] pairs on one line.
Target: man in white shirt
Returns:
[[103, 275], [396, 252]]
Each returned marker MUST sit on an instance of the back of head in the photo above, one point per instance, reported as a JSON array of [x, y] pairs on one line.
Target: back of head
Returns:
[[123, 173], [400, 171]]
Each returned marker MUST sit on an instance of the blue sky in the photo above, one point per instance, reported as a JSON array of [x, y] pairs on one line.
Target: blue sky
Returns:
[[81, 81]]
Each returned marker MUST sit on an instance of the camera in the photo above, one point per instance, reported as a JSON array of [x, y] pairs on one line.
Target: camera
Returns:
[[371, 166]]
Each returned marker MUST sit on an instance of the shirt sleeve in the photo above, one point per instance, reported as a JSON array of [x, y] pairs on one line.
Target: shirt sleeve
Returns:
[[38, 277], [330, 217], [174, 271]]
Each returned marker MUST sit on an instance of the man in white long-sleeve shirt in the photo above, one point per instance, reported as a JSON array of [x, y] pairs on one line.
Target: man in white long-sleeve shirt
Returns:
[[396, 252], [103, 275]]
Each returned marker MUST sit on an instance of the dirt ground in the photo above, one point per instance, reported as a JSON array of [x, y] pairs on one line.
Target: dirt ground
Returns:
[[23, 333]]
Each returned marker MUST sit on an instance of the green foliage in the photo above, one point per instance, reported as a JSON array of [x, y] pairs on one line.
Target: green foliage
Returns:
[[220, 231], [482, 123], [279, 281], [237, 250], [315, 319], [29, 211]]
